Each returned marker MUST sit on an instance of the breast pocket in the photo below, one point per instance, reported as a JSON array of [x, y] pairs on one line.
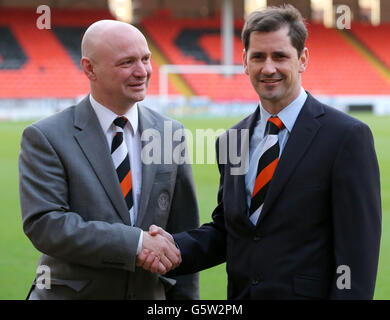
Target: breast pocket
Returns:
[[164, 176]]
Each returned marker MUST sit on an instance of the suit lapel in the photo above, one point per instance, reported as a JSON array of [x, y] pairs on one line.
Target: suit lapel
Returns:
[[94, 145], [303, 132], [238, 181], [148, 170]]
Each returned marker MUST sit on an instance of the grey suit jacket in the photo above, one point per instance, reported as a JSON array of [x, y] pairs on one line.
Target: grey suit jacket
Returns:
[[74, 213]]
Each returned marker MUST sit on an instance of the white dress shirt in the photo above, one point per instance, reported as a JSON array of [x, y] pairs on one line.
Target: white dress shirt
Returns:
[[132, 139], [288, 116]]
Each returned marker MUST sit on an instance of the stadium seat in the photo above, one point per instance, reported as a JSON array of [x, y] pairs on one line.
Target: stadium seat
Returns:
[[38, 63], [12, 55], [44, 63], [335, 66], [375, 38]]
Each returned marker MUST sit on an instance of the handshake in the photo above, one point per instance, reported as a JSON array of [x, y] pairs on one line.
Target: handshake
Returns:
[[159, 253]]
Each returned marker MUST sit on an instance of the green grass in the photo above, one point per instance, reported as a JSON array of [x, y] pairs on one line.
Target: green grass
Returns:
[[18, 258], [381, 131]]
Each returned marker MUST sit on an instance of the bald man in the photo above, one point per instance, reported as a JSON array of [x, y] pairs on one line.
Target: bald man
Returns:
[[86, 196]]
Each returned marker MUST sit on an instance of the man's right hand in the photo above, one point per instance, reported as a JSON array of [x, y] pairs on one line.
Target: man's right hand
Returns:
[[159, 253], [155, 230]]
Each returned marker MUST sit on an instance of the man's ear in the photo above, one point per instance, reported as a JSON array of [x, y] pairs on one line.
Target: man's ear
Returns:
[[244, 61], [303, 60], [87, 66]]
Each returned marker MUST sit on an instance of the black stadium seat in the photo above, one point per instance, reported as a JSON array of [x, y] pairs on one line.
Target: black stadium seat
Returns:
[[188, 43], [11, 53], [70, 37]]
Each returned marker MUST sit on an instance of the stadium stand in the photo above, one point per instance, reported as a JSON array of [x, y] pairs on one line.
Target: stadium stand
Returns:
[[336, 67], [195, 41], [12, 55], [38, 63], [43, 63], [375, 38]]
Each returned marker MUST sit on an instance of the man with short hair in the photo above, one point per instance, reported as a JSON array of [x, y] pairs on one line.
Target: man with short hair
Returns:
[[85, 194], [304, 222]]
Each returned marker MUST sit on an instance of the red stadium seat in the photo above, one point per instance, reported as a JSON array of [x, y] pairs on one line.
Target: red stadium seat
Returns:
[[38, 63], [49, 70], [375, 38], [44, 66], [335, 66]]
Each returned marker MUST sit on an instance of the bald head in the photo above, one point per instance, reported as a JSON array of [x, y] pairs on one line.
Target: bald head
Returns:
[[105, 33], [116, 60]]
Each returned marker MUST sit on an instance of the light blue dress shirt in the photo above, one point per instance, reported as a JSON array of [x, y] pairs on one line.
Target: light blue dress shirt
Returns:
[[288, 116]]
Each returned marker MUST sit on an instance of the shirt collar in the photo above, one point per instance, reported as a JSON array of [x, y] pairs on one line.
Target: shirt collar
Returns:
[[106, 117], [289, 114]]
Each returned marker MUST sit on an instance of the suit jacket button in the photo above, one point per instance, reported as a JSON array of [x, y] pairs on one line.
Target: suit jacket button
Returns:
[[256, 281], [257, 237]]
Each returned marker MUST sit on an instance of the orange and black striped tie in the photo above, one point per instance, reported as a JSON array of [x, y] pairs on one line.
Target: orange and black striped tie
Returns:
[[266, 167], [120, 157]]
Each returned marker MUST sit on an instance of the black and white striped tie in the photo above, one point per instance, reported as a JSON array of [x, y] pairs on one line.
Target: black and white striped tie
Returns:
[[120, 157], [266, 167]]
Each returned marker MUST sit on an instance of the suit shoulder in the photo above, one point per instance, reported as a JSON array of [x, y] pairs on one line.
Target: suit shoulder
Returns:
[[341, 119], [56, 121], [242, 124], [331, 117]]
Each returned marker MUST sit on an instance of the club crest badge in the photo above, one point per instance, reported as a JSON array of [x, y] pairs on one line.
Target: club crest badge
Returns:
[[163, 200]]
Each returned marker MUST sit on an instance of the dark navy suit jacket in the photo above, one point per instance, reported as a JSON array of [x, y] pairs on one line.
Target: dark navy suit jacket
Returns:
[[321, 217]]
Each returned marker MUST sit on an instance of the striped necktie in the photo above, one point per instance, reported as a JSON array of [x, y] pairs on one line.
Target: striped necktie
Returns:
[[120, 157], [266, 167]]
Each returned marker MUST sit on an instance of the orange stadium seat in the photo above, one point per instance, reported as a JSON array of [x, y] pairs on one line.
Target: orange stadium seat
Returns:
[[202, 46], [375, 38], [335, 67], [44, 68], [38, 63]]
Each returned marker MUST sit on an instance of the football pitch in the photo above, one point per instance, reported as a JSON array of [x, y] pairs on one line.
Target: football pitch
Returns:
[[18, 258]]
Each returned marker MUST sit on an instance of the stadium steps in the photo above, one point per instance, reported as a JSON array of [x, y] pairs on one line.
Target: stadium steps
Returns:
[[368, 54], [177, 82]]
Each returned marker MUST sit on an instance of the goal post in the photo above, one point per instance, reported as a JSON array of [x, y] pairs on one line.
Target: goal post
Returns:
[[213, 90], [166, 69]]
